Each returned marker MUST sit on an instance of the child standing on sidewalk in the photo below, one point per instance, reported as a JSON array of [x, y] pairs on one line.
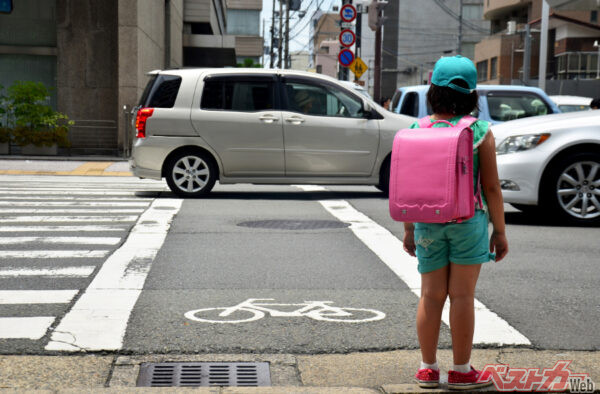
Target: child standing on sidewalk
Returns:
[[450, 254]]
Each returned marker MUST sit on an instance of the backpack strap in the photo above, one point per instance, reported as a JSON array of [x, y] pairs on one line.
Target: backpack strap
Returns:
[[425, 122], [466, 121]]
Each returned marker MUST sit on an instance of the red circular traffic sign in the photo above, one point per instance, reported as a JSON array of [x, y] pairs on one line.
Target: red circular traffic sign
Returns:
[[348, 13], [347, 38], [346, 57]]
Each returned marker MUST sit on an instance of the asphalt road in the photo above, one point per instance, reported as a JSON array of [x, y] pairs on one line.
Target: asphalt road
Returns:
[[218, 253]]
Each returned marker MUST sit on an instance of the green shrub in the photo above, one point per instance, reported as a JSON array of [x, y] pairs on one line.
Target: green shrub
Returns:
[[31, 119]]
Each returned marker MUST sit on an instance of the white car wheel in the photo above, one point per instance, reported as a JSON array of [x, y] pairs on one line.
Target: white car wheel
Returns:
[[575, 185]]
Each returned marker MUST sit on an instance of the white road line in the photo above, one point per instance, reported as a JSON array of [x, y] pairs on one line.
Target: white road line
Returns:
[[73, 204], [41, 219], [33, 229], [24, 327], [52, 254], [65, 272], [69, 210], [98, 319], [489, 328], [11, 297], [70, 198], [60, 240], [65, 192]]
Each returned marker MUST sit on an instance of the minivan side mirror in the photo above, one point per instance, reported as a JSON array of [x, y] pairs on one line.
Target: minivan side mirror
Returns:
[[369, 112]]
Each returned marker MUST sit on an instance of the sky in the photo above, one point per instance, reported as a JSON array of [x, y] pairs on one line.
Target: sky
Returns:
[[299, 28]]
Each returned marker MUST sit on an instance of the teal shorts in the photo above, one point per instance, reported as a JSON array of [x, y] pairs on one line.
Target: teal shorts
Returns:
[[467, 242]]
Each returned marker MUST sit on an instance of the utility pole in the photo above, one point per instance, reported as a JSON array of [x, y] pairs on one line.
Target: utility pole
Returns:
[[280, 43], [287, 35], [376, 20], [460, 27], [272, 53], [527, 55], [544, 46]]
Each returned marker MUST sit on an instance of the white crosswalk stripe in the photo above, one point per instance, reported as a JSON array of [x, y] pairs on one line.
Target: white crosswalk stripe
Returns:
[[68, 210], [52, 220], [60, 240], [66, 272]]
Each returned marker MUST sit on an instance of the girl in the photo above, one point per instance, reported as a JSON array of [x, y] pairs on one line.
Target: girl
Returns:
[[450, 254]]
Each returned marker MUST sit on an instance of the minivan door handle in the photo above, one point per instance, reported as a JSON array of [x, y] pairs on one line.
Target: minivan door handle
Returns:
[[269, 118], [295, 119]]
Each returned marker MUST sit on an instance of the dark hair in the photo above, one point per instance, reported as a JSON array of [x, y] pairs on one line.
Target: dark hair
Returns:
[[383, 100], [445, 100], [595, 104]]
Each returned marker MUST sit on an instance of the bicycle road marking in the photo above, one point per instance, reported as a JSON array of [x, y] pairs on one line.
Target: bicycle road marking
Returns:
[[324, 312], [490, 328]]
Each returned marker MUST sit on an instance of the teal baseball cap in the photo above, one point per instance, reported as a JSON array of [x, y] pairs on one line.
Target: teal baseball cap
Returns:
[[447, 69]]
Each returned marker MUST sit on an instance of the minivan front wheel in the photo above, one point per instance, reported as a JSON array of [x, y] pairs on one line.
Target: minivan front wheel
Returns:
[[191, 174]]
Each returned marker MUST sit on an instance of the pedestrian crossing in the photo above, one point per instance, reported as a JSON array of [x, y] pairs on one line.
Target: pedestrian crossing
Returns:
[[56, 233]]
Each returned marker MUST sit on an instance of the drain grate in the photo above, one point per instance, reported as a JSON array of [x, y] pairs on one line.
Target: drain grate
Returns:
[[195, 374], [295, 224]]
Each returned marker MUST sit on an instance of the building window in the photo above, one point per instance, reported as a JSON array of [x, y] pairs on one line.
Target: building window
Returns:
[[482, 71], [577, 65], [594, 16], [473, 11], [494, 68], [243, 22]]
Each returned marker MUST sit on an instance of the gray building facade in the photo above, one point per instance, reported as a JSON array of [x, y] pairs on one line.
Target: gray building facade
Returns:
[[94, 55]]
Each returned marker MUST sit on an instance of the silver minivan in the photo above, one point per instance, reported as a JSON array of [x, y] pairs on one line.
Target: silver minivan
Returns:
[[197, 126]]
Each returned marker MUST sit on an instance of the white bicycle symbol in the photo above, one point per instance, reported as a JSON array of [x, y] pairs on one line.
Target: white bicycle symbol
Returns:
[[250, 310]]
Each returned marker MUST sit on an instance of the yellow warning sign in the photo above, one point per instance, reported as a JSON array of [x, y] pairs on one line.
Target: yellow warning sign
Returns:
[[358, 67]]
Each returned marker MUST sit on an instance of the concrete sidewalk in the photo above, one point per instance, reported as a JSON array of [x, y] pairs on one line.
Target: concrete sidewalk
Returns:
[[64, 166], [383, 372]]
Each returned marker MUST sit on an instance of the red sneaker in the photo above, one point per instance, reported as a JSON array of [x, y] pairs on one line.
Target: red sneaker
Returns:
[[428, 378], [466, 381]]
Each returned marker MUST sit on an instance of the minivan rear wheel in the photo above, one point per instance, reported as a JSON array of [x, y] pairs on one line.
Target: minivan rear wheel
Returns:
[[191, 174]]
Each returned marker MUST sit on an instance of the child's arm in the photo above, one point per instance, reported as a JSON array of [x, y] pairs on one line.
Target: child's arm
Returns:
[[409, 239], [493, 194]]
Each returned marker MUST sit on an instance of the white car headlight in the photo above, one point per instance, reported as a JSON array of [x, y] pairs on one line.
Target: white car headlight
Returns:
[[519, 143]]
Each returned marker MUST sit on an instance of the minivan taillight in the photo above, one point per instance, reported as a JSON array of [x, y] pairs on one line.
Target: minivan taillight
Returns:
[[140, 121]]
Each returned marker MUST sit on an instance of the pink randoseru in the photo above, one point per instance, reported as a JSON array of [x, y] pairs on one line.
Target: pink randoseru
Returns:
[[431, 174]]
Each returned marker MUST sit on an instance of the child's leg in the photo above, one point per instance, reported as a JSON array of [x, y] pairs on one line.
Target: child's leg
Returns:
[[461, 289], [434, 290]]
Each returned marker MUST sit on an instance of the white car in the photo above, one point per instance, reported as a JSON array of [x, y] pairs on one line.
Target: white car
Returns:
[[572, 103], [552, 163]]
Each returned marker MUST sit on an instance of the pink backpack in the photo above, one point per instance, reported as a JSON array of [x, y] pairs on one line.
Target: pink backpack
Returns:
[[431, 174]]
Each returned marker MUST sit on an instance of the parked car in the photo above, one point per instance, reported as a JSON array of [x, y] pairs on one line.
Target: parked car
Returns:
[[497, 103], [572, 103], [552, 164], [197, 126]]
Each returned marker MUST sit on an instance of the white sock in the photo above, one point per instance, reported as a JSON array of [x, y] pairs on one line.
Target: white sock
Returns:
[[464, 368], [433, 366]]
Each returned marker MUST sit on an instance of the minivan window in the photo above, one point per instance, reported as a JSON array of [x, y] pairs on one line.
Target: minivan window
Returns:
[[147, 90], [410, 106], [163, 92], [322, 100], [235, 95], [505, 107]]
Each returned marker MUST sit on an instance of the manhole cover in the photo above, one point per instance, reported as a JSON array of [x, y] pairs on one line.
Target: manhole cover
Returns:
[[295, 224], [195, 374]]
